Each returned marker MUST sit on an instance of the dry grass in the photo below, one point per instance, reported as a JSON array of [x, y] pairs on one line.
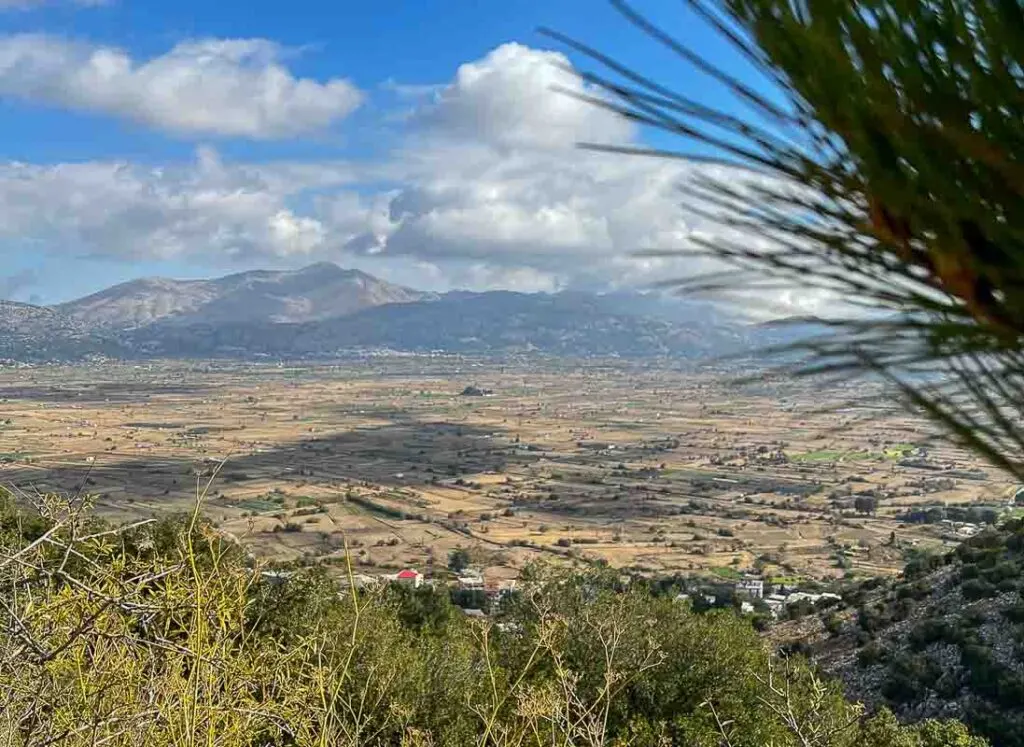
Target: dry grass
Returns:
[[435, 470]]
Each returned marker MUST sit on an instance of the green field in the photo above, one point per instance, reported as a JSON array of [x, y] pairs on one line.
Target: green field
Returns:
[[258, 505], [830, 455]]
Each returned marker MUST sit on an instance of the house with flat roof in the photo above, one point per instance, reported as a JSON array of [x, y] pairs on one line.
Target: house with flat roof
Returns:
[[753, 587]]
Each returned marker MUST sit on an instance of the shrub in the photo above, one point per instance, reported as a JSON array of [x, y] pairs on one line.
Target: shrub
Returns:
[[978, 589], [909, 676], [833, 624], [929, 632], [872, 653], [1015, 614], [1002, 571], [184, 644], [458, 560]]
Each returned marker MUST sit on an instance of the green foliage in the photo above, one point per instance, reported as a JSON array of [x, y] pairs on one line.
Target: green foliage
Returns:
[[475, 599], [883, 730], [960, 647], [458, 560], [976, 588], [936, 514], [16, 525], [872, 653], [865, 504], [420, 609], [164, 634], [374, 507], [287, 608], [833, 624]]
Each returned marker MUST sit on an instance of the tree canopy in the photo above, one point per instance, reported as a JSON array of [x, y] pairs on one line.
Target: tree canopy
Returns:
[[166, 634]]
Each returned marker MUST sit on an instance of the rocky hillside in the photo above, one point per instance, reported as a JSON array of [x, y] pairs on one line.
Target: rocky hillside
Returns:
[[324, 310], [495, 322], [34, 333], [946, 639], [320, 291]]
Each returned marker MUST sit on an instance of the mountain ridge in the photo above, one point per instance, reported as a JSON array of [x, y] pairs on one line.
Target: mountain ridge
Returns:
[[324, 310], [463, 322], [320, 291]]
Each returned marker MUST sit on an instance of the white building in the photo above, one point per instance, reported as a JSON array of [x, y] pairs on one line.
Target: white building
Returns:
[[776, 603], [800, 596], [753, 587]]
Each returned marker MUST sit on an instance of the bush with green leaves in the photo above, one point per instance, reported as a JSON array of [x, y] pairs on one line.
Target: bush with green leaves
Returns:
[[961, 651], [168, 633], [458, 560]]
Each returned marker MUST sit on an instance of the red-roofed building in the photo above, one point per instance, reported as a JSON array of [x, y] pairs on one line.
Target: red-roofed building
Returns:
[[410, 577]]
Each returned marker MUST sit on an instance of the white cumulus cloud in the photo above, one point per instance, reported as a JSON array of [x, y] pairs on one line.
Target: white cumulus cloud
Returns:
[[488, 191], [123, 211], [235, 87], [518, 97], [492, 186]]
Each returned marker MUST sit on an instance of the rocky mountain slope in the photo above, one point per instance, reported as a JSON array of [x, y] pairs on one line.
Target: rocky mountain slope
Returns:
[[324, 310], [559, 324], [945, 640], [320, 291], [35, 333]]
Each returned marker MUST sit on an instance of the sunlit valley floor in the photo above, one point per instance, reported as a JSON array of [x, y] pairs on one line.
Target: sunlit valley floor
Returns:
[[402, 459]]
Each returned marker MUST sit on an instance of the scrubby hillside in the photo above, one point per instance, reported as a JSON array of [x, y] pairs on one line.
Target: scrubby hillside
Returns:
[[945, 640], [168, 634], [35, 333], [475, 323]]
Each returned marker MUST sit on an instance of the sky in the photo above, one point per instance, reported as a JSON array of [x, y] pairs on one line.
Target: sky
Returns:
[[429, 142]]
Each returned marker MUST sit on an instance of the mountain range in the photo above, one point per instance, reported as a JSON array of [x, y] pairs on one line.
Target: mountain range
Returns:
[[324, 310], [320, 291]]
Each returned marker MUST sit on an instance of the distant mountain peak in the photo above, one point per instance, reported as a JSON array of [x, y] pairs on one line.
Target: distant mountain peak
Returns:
[[316, 292], [325, 267], [326, 310]]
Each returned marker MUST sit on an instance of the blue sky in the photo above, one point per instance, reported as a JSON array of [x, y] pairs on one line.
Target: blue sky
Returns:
[[419, 140]]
